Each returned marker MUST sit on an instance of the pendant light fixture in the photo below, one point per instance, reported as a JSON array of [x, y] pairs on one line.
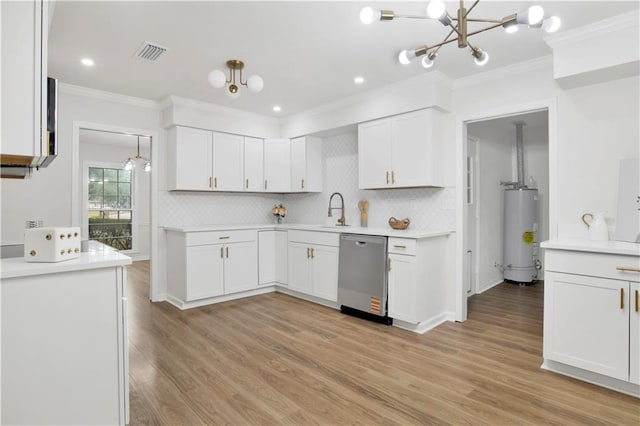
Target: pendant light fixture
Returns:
[[218, 79], [532, 17], [130, 163]]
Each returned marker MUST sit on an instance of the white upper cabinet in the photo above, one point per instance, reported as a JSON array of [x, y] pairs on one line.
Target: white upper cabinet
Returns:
[[189, 159], [253, 165], [24, 81], [306, 164], [402, 151], [228, 162], [277, 165]]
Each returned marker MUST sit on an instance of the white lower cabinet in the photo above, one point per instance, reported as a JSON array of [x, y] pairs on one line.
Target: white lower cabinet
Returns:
[[591, 314], [402, 288], [313, 264], [210, 264], [272, 257]]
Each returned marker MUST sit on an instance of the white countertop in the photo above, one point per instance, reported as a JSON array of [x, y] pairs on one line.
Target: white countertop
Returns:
[[97, 256], [607, 247], [386, 232]]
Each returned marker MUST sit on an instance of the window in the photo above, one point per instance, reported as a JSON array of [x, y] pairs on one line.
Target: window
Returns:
[[110, 211]]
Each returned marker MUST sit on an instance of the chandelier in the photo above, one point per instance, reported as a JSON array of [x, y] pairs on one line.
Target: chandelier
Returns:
[[130, 163], [218, 79], [532, 17]]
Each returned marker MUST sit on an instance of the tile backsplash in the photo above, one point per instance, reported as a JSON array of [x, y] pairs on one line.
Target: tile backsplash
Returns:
[[430, 209]]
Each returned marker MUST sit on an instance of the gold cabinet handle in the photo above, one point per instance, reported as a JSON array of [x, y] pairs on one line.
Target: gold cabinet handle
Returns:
[[636, 300], [388, 264], [265, 184], [399, 247], [246, 185], [210, 182], [223, 238], [393, 177], [215, 182], [227, 252], [622, 298], [387, 177], [313, 253], [308, 252], [627, 269], [302, 183], [221, 252]]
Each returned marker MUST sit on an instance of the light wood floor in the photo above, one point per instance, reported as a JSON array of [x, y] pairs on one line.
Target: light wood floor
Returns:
[[274, 359]]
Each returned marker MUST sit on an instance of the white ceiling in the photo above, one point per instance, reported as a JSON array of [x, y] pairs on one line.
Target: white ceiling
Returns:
[[307, 52]]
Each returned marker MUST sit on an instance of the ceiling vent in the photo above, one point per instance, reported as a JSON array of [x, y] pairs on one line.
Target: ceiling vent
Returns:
[[149, 51]]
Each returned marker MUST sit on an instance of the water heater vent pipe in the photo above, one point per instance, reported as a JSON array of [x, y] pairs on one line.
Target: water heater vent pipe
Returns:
[[520, 153]]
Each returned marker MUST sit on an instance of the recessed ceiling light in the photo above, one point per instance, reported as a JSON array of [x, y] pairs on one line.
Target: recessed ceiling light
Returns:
[[277, 109], [87, 62], [358, 80]]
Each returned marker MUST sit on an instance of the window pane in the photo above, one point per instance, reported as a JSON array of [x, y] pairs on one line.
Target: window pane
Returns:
[[124, 202], [124, 175], [95, 175], [110, 188], [95, 216], [110, 202], [110, 216], [95, 201], [110, 175], [95, 188], [124, 188], [124, 216]]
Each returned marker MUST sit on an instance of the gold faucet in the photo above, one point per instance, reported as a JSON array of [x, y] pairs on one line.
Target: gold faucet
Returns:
[[342, 220]]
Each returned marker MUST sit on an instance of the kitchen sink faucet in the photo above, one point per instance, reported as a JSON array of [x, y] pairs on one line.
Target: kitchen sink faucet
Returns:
[[342, 220]]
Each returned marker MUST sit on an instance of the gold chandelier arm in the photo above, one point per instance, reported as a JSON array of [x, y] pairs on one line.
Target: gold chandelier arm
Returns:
[[241, 82], [231, 76], [490, 27], [470, 9], [492, 21]]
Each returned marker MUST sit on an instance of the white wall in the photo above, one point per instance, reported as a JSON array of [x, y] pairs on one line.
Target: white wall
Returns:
[[115, 154], [430, 209]]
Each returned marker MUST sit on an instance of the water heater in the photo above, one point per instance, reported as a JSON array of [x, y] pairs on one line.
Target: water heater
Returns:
[[520, 229]]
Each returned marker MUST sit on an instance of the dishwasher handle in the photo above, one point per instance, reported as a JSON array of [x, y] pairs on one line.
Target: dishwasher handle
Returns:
[[361, 243]]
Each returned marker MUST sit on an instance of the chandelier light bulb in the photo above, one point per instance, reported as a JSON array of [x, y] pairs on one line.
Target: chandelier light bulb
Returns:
[[128, 165], [551, 24], [480, 57], [510, 29], [217, 79], [535, 14], [406, 56], [368, 15], [255, 83], [427, 62], [147, 166], [436, 9]]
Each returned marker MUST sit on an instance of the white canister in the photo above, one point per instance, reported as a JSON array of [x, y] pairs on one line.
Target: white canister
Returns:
[[598, 229]]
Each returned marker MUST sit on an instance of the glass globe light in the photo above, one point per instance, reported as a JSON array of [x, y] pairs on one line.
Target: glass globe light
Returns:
[[255, 83], [217, 79], [406, 56], [368, 15], [436, 9]]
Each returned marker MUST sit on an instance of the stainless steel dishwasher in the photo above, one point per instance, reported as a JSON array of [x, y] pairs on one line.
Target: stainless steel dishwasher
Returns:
[[362, 277]]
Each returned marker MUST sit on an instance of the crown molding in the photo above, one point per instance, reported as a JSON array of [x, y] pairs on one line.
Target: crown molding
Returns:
[[178, 101], [504, 72], [107, 96], [594, 30]]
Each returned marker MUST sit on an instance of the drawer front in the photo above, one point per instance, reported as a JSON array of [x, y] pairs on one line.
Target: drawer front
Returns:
[[593, 264], [315, 237], [220, 237], [402, 245]]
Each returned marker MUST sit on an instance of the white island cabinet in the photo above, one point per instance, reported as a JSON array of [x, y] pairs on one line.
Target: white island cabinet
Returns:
[[64, 340], [592, 312]]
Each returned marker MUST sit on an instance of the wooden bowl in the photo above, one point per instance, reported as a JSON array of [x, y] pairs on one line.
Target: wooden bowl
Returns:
[[399, 224]]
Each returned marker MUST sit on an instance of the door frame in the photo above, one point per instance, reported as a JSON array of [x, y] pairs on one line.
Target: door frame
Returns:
[[76, 176], [472, 275], [462, 120]]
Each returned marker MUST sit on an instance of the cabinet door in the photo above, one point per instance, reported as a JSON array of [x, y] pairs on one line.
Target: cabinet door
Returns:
[[228, 162], [24, 73], [253, 165], [240, 267], [402, 288], [281, 256], [411, 149], [277, 165], [298, 164], [299, 258], [205, 271], [587, 323], [634, 334], [190, 162], [374, 154], [266, 257], [324, 272]]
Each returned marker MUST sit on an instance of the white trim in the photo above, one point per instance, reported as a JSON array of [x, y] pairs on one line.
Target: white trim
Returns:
[[504, 72], [489, 286], [153, 208], [88, 92], [182, 305], [85, 201], [177, 101], [424, 326], [550, 105], [594, 30]]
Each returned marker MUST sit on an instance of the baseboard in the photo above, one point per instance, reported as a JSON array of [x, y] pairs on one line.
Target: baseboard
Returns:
[[182, 305], [591, 377], [489, 286], [162, 297], [424, 326], [307, 297]]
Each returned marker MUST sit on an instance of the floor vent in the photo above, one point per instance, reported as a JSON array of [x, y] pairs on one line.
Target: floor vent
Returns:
[[149, 51]]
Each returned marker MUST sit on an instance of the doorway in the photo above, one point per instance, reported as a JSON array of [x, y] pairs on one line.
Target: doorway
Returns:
[[486, 147]]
